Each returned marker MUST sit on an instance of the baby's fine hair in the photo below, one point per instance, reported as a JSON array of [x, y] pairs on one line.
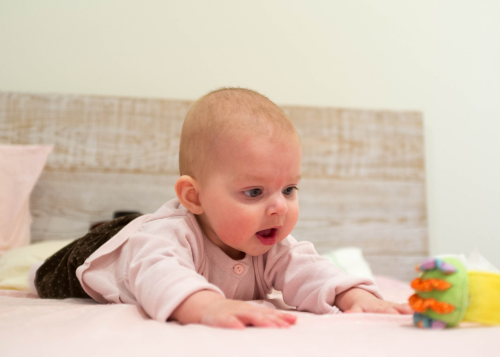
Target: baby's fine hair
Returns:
[[226, 111]]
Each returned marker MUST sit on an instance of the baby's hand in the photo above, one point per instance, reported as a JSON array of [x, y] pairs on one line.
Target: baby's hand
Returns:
[[212, 309], [238, 314], [359, 300]]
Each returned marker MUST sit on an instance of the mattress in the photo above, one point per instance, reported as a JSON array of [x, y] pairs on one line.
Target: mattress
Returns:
[[79, 327]]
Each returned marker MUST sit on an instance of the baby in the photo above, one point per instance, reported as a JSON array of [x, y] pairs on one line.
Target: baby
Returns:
[[224, 240]]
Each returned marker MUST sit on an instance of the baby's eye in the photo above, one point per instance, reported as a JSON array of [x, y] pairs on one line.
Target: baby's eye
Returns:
[[254, 192], [289, 190]]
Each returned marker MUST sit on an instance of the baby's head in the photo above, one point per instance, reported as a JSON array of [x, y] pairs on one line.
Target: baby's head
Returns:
[[240, 160]]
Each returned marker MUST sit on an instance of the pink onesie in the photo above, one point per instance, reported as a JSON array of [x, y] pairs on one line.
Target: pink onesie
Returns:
[[160, 259]]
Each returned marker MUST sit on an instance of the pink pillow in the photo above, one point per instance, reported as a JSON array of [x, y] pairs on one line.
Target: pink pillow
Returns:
[[20, 167]]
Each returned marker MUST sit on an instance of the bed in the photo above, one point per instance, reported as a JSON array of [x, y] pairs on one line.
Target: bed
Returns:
[[363, 190]]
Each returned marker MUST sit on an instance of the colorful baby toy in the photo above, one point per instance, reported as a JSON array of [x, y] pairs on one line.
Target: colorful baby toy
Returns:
[[447, 294]]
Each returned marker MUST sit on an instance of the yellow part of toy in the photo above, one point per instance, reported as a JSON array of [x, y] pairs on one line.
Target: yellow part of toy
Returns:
[[484, 292]]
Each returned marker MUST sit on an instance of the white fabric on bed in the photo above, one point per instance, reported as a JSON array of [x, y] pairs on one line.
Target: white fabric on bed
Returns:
[[16, 263], [75, 327]]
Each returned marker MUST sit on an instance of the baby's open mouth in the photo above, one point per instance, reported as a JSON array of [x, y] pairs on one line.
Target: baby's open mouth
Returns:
[[267, 236], [267, 233]]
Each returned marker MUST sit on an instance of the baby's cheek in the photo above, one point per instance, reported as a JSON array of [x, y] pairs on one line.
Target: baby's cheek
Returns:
[[237, 226], [293, 215], [247, 224]]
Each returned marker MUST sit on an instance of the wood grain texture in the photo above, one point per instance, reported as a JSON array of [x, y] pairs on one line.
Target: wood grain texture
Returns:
[[97, 134], [401, 267], [363, 170], [360, 144], [382, 218], [65, 204]]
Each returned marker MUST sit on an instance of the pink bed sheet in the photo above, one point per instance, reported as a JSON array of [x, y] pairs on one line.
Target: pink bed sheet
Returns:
[[30, 326]]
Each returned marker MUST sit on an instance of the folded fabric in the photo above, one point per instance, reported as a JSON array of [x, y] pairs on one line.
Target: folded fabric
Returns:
[[351, 260], [16, 263]]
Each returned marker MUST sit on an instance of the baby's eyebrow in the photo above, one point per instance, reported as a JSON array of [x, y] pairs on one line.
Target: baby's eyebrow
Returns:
[[260, 178]]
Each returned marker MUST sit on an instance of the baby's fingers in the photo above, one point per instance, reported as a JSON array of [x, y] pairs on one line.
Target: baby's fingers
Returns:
[[263, 319], [282, 319], [291, 319], [232, 322], [396, 309], [390, 310], [227, 321], [404, 309], [260, 320], [354, 310]]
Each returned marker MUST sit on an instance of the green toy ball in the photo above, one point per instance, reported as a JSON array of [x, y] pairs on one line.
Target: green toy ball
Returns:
[[441, 293]]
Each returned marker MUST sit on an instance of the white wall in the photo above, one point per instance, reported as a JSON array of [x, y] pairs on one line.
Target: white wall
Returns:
[[440, 57]]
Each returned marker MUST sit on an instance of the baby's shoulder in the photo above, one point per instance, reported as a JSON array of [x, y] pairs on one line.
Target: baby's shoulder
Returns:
[[170, 209], [172, 221]]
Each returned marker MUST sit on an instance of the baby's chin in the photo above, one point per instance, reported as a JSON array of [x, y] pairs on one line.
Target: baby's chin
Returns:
[[261, 248]]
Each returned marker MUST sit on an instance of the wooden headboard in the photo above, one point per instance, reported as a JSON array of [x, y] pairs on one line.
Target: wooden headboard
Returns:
[[363, 170]]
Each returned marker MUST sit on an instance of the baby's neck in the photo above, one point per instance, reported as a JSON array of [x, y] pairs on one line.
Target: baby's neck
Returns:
[[237, 256]]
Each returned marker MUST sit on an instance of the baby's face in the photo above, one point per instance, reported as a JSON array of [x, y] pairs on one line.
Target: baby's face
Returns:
[[249, 196]]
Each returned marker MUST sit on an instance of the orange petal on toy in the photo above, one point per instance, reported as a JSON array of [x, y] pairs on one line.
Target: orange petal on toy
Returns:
[[421, 305], [420, 284], [416, 303]]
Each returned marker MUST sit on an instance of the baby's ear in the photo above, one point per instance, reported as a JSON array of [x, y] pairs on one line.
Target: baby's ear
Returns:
[[188, 193]]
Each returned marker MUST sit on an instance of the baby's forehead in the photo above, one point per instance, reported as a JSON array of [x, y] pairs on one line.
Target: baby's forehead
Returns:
[[235, 139]]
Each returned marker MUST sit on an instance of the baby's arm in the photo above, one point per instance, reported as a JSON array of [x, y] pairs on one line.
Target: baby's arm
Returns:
[[212, 309], [360, 300], [312, 283]]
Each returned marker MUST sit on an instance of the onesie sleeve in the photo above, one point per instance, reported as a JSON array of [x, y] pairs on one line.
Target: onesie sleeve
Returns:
[[155, 267], [307, 280]]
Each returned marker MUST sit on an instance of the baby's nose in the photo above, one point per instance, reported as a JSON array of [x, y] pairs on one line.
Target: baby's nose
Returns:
[[278, 205]]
